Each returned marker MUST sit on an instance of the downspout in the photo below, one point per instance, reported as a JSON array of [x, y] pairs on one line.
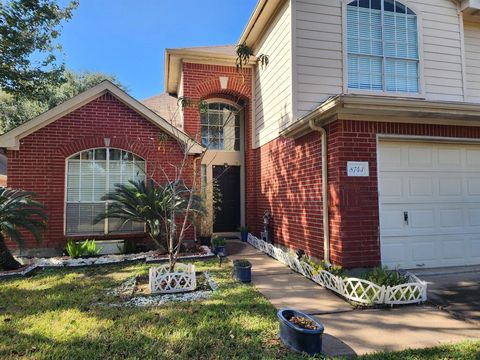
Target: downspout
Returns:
[[326, 227]]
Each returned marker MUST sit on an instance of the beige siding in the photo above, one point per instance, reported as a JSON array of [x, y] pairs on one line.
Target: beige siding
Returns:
[[472, 60], [318, 45], [273, 84], [319, 60]]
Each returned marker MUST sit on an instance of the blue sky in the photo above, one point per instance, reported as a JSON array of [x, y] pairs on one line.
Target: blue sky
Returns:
[[127, 38]]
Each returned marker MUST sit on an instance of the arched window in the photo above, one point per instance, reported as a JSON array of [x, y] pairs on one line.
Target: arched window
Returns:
[[382, 46], [221, 127], [90, 175]]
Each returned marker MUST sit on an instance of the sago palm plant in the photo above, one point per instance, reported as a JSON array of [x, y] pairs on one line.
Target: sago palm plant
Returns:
[[18, 211], [160, 207]]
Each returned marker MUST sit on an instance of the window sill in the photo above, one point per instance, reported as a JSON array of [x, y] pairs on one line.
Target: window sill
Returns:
[[103, 236], [392, 94]]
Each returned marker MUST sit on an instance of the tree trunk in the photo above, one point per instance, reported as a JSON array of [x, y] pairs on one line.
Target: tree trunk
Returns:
[[7, 261]]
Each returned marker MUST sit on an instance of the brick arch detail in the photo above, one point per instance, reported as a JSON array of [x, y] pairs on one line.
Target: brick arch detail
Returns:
[[236, 86], [127, 144]]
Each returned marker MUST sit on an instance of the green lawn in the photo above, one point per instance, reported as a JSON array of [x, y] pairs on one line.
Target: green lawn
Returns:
[[56, 315]]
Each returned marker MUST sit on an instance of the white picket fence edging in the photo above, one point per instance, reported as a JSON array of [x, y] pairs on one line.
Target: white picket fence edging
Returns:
[[358, 290], [182, 279]]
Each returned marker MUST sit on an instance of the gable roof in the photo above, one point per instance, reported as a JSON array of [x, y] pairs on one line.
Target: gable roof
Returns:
[[166, 106], [226, 50], [11, 139], [174, 59]]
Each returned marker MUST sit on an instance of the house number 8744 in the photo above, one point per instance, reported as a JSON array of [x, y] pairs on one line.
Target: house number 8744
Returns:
[[357, 168]]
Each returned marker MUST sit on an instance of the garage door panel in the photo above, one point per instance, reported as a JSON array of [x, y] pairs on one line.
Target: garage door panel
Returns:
[[450, 186], [438, 185], [452, 218], [420, 186], [454, 249], [472, 157], [449, 158], [475, 251], [473, 186], [420, 157]]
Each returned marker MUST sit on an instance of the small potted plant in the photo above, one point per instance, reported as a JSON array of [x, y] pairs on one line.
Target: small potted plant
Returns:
[[242, 271], [244, 233], [218, 245], [300, 332]]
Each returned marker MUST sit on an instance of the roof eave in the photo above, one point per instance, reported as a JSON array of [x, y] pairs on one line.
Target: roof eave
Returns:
[[391, 109], [11, 139], [175, 57]]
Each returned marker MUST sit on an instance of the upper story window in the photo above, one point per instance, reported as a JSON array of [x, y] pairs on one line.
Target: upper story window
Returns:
[[382, 46], [90, 175], [221, 127]]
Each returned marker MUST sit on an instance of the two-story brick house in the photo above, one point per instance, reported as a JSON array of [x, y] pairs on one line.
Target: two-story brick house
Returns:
[[361, 136]]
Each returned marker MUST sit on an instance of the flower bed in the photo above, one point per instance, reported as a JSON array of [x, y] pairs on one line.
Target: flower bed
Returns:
[[354, 289], [148, 257]]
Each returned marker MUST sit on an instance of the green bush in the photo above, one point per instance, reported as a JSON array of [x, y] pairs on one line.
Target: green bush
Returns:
[[219, 241], [384, 276], [74, 249], [78, 249]]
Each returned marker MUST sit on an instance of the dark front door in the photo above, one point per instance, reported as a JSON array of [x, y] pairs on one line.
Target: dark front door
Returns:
[[228, 216]]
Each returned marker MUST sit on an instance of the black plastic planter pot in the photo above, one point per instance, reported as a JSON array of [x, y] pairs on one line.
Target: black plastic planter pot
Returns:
[[242, 272], [219, 249], [297, 338]]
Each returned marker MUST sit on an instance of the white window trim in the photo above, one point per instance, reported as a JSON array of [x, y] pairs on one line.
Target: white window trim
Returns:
[[242, 120], [421, 70], [65, 197]]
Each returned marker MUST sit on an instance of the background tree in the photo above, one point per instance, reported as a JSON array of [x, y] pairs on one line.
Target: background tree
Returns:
[[18, 210], [17, 109], [28, 48]]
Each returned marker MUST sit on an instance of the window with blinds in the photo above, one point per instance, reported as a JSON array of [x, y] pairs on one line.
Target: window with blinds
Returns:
[[90, 175], [382, 46], [220, 127]]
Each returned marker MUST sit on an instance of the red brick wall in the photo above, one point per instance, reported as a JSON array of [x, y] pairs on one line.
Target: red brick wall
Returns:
[[202, 82], [290, 186], [355, 238], [39, 165]]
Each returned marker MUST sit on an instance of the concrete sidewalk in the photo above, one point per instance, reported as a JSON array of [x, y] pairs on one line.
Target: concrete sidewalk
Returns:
[[350, 332]]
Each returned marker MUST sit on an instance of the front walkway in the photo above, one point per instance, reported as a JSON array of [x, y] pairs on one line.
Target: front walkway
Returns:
[[349, 331]]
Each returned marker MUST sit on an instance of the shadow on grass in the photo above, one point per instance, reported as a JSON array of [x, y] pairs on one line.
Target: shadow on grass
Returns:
[[56, 315]]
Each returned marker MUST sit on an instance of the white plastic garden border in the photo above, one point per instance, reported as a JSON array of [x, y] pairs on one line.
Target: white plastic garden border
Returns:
[[164, 281], [148, 257], [357, 290]]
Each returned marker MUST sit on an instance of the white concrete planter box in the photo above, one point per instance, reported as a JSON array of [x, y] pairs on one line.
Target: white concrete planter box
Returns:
[[357, 290], [109, 247], [182, 279]]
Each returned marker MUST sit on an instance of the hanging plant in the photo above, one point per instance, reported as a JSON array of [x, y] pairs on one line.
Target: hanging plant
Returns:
[[244, 53], [263, 60], [202, 106], [184, 102]]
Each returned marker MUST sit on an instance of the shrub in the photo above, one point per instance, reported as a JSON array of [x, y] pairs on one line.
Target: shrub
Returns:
[[78, 249], [74, 249], [384, 276], [219, 241], [90, 247]]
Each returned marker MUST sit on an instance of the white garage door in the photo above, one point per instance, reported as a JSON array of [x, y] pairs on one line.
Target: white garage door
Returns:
[[429, 196]]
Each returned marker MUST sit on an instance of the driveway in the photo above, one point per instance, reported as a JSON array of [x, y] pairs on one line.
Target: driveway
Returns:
[[455, 290]]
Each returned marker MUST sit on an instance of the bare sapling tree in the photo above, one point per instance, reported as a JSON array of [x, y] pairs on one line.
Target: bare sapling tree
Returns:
[[171, 211]]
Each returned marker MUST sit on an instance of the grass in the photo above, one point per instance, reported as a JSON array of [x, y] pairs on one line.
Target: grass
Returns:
[[465, 351], [62, 314]]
